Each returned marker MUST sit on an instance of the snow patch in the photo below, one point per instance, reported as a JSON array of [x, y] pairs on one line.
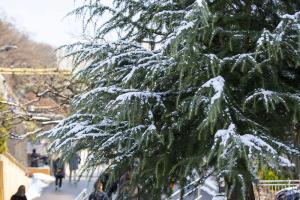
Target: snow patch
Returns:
[[43, 177], [37, 183]]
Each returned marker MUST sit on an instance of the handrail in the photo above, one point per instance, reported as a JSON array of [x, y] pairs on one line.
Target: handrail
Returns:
[[278, 181], [188, 192], [178, 191], [191, 191], [277, 184], [267, 189], [82, 195]]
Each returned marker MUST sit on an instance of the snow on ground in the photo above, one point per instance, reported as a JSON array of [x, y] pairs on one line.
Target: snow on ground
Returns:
[[37, 183], [44, 177]]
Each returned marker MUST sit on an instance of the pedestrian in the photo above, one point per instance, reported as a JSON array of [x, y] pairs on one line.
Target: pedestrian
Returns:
[[20, 194], [73, 165], [98, 193], [34, 158], [59, 172]]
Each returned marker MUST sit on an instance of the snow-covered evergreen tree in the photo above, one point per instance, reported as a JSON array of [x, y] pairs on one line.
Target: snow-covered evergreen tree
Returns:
[[193, 85]]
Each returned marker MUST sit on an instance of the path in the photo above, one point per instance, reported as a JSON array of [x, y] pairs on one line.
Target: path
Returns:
[[71, 190], [68, 191]]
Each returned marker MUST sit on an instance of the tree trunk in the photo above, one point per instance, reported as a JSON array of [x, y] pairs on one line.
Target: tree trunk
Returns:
[[235, 183]]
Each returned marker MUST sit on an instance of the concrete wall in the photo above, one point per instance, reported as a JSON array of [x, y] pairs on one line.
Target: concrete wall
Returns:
[[18, 149], [12, 175]]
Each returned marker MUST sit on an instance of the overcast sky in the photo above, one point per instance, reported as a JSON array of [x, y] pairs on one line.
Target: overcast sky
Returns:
[[43, 19]]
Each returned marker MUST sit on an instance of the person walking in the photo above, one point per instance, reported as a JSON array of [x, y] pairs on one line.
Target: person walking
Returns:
[[73, 166], [98, 194], [20, 194], [59, 172]]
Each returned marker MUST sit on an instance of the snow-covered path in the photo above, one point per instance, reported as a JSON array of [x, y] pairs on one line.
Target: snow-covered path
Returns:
[[68, 191]]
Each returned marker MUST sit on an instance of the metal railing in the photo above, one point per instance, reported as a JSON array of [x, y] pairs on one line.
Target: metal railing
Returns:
[[192, 190], [267, 189], [82, 195]]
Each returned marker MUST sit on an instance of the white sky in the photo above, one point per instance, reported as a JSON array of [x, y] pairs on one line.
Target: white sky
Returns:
[[43, 20]]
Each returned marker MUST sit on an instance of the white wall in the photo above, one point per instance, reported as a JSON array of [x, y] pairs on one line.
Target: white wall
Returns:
[[14, 175]]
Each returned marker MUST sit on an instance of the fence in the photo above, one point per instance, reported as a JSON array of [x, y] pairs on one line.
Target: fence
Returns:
[[267, 189], [192, 191]]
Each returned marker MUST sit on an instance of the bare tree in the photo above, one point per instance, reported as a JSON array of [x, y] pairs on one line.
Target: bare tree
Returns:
[[41, 99]]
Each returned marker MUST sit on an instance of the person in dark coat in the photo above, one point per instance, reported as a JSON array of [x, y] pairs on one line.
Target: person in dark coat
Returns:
[[34, 157], [98, 194], [20, 194], [73, 165], [59, 172]]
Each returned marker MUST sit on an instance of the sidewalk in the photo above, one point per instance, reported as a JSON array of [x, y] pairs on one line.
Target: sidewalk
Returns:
[[68, 191]]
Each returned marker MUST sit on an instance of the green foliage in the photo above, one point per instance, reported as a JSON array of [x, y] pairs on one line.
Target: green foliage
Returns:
[[268, 174], [217, 91], [282, 174], [3, 139]]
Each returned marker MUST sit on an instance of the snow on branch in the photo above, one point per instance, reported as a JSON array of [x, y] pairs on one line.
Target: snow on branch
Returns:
[[143, 96], [90, 95], [278, 35], [269, 98], [72, 131], [295, 17], [201, 3], [231, 142], [255, 143], [281, 146], [217, 83], [268, 38], [224, 135]]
